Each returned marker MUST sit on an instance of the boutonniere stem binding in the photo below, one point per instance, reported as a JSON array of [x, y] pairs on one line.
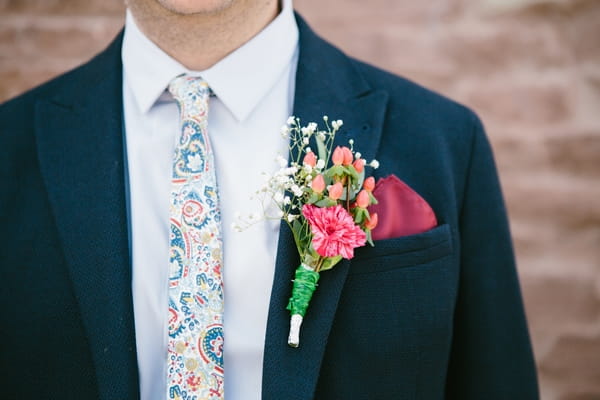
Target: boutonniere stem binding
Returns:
[[323, 197]]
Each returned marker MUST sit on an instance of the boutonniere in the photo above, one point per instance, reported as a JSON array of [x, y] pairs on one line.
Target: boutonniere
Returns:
[[323, 197]]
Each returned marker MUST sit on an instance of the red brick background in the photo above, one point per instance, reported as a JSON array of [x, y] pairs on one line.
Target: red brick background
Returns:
[[530, 68]]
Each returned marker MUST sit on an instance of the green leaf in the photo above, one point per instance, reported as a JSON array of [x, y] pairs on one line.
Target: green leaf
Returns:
[[330, 262], [296, 228], [336, 170], [351, 172], [353, 177], [360, 180], [302, 235], [314, 197], [372, 199], [328, 179], [296, 235], [297, 232], [321, 148], [326, 202], [360, 215], [369, 237], [311, 258]]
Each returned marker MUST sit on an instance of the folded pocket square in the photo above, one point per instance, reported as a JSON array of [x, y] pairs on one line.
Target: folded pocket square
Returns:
[[401, 211]]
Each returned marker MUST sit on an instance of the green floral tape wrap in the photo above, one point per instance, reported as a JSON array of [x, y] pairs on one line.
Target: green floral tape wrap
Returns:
[[305, 283]]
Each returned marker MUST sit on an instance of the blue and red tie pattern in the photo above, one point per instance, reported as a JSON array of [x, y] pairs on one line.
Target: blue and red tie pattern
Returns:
[[195, 341]]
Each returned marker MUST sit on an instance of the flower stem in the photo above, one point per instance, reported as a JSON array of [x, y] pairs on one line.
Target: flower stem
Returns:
[[348, 197], [319, 264]]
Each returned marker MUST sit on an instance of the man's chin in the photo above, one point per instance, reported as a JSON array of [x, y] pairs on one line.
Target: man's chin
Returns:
[[196, 7]]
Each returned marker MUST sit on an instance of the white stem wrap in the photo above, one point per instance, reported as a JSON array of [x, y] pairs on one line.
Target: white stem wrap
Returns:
[[294, 337]]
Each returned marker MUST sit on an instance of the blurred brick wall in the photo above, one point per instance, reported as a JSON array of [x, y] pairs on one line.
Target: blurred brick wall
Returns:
[[530, 68]]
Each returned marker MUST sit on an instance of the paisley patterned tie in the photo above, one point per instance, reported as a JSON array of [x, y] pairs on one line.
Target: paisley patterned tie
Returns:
[[195, 348]]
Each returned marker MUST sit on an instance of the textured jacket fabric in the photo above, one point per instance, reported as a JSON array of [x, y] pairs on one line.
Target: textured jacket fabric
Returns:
[[436, 315]]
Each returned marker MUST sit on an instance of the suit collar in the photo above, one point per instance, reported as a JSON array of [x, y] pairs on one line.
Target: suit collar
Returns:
[[327, 82], [148, 69], [79, 140]]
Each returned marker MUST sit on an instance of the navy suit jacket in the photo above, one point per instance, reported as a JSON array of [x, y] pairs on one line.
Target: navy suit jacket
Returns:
[[430, 316]]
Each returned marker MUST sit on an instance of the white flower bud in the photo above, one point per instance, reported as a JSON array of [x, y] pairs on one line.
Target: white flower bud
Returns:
[[296, 190], [281, 161], [278, 197]]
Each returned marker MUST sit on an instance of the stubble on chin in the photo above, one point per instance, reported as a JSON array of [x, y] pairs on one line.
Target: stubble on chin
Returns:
[[195, 7]]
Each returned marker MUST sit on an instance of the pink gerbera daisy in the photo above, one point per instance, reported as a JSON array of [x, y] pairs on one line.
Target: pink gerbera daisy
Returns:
[[334, 231]]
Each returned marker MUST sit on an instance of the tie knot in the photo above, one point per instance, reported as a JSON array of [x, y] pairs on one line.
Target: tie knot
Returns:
[[191, 93]]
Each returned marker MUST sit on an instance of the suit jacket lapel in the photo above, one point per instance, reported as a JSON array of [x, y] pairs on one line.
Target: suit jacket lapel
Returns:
[[80, 146], [327, 83]]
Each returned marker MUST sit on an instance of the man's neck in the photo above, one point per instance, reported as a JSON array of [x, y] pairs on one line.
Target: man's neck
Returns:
[[198, 41]]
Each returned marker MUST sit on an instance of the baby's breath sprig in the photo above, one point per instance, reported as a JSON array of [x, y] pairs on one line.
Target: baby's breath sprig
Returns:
[[304, 179]]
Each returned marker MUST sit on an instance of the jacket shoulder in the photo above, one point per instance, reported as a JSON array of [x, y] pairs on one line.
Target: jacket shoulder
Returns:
[[60, 88], [409, 96], [17, 115], [23, 104]]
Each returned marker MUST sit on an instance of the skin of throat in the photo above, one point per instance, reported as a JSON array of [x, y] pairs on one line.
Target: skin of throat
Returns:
[[200, 33]]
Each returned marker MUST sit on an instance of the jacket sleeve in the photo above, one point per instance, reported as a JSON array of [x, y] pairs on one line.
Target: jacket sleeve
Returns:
[[491, 354]]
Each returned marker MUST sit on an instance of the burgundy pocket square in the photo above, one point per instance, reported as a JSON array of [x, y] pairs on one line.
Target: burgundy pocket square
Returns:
[[401, 211]]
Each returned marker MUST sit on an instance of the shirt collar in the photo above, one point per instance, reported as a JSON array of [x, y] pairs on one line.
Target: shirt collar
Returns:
[[240, 80]]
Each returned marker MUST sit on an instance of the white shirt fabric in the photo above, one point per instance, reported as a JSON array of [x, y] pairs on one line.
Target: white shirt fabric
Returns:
[[254, 88]]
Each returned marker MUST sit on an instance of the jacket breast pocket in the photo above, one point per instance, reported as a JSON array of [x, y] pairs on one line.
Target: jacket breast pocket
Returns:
[[395, 314], [403, 251]]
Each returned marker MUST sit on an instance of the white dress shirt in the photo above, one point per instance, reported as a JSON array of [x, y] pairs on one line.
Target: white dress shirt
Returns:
[[254, 88]]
